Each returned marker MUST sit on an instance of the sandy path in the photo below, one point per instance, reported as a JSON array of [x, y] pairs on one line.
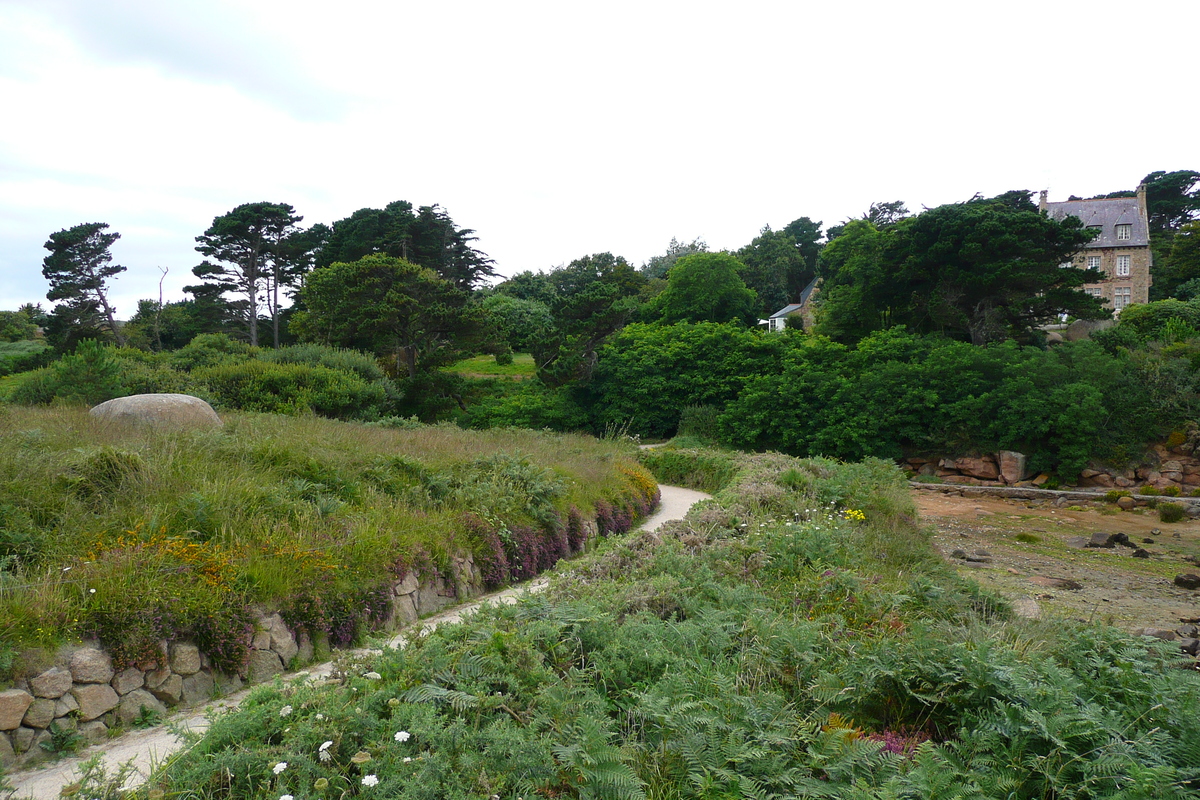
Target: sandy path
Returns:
[[146, 748]]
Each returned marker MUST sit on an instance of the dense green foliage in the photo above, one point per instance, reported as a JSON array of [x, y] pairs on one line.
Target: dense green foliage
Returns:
[[22, 356], [428, 238], [893, 394], [702, 364], [981, 271], [796, 638], [705, 287], [135, 536], [390, 307]]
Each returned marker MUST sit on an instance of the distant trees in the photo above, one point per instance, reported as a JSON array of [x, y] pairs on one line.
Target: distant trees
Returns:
[[983, 271], [251, 257], [78, 269], [429, 238], [22, 324], [659, 266], [390, 307]]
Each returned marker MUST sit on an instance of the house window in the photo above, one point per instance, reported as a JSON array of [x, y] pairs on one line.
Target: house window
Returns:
[[1094, 291], [1121, 297], [1093, 262], [1122, 266], [1124, 232]]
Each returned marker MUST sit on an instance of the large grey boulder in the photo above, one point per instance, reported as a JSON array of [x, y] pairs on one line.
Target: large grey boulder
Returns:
[[160, 410]]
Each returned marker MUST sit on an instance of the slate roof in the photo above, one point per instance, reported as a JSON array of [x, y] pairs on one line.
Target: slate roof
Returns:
[[791, 308], [788, 309], [1106, 214]]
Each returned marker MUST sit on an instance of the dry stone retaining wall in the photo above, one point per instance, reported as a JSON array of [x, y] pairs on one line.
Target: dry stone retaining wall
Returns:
[[83, 693], [1165, 468]]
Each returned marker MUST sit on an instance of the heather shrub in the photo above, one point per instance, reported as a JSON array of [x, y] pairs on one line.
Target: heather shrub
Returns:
[[1170, 512]]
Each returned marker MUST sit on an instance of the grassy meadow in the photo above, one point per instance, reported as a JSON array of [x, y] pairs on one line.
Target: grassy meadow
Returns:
[[134, 536], [797, 636]]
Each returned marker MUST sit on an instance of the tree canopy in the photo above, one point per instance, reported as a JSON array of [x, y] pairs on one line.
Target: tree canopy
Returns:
[[78, 269], [429, 238], [391, 307], [589, 299], [247, 246], [983, 270], [706, 287]]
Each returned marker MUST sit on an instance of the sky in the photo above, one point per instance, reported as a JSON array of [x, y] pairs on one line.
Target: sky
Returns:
[[557, 129]]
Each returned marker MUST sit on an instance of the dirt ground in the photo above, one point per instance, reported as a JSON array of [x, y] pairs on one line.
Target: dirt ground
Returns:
[[1117, 588]]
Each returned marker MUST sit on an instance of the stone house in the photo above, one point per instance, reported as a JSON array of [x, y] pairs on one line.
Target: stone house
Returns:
[[802, 308], [1121, 249]]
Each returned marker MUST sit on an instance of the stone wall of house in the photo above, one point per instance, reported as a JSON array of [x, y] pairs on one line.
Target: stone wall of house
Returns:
[[82, 692], [1163, 468]]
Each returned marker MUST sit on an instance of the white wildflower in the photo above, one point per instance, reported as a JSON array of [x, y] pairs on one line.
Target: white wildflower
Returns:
[[372, 676], [407, 759], [286, 797], [283, 712], [320, 716], [280, 767], [370, 780], [402, 736], [324, 746]]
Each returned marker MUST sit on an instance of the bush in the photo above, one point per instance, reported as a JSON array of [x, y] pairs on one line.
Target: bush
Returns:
[[88, 376], [1152, 491], [504, 359], [1113, 495], [361, 364], [1171, 491], [1170, 512], [24, 356], [209, 350], [292, 389]]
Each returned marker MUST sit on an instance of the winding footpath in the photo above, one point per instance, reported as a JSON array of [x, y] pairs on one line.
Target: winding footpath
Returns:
[[147, 748]]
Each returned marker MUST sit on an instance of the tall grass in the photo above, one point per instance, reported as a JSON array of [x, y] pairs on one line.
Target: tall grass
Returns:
[[174, 527]]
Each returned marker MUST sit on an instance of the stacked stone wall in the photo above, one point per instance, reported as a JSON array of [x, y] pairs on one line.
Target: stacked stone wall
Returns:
[[82, 692], [1164, 468]]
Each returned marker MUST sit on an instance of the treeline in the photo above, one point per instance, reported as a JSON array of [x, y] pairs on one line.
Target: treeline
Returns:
[[926, 336]]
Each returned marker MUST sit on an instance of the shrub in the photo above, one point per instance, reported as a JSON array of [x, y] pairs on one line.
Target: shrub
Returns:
[[209, 350], [1152, 491], [504, 359], [1113, 495], [24, 356], [1170, 512], [1171, 491], [361, 364], [1175, 439], [1028, 538], [292, 389], [88, 376]]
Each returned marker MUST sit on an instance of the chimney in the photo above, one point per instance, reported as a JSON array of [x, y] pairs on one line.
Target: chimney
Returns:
[[1042, 199], [1141, 200]]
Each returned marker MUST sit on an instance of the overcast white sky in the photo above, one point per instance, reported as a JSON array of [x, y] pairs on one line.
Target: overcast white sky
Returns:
[[559, 129]]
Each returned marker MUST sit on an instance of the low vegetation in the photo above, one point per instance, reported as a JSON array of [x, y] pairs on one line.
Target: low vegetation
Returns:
[[796, 637], [134, 536]]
